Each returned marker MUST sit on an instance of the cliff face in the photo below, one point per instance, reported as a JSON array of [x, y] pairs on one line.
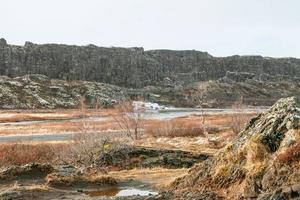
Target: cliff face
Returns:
[[133, 67]]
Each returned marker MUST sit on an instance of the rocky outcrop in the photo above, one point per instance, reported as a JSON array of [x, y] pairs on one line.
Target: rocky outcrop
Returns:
[[133, 67], [31, 170], [11, 194], [70, 176], [224, 92], [38, 91], [262, 162], [122, 156]]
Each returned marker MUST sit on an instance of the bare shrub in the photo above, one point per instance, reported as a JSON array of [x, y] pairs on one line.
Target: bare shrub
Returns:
[[238, 121], [129, 119], [82, 105], [198, 96], [87, 144]]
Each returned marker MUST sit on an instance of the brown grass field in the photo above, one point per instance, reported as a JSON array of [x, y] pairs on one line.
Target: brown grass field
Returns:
[[183, 133]]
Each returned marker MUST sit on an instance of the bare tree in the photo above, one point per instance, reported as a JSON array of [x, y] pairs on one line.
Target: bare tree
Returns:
[[82, 105], [239, 119], [129, 118], [201, 101]]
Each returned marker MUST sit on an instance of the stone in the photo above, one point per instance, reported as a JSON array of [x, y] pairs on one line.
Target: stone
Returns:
[[3, 42], [10, 195], [38, 91], [250, 161], [134, 67], [30, 170]]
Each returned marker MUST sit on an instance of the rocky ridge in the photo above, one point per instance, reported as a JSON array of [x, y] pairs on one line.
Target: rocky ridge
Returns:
[[134, 67], [162, 76], [255, 90], [38, 91], [262, 162]]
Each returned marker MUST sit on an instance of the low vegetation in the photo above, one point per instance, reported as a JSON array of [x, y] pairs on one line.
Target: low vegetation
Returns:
[[18, 153], [84, 150], [239, 120], [130, 119], [290, 155], [176, 128], [245, 168]]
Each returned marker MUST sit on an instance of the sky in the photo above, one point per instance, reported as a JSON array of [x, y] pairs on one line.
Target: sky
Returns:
[[219, 27]]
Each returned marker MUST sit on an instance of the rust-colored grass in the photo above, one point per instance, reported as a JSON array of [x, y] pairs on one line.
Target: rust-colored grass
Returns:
[[290, 155], [18, 153], [41, 115], [174, 128], [58, 127], [190, 126]]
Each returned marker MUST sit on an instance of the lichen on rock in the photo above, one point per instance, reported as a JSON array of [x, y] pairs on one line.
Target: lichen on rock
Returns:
[[261, 162], [38, 91]]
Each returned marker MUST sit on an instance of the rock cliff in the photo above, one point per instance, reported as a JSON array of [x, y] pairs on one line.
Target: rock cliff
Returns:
[[134, 67]]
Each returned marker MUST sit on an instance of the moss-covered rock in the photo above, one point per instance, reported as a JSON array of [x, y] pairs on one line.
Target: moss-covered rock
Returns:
[[38, 91], [261, 162]]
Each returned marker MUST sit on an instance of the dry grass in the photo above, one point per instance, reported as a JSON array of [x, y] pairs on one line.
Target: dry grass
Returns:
[[18, 153], [179, 127], [57, 127], [193, 122], [173, 128], [291, 154], [238, 122], [41, 115]]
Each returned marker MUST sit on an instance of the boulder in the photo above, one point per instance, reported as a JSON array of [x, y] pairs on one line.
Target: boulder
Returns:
[[30, 171]]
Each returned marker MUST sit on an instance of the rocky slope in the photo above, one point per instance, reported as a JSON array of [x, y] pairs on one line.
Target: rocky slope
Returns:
[[134, 67], [255, 90], [262, 162], [38, 91], [163, 76]]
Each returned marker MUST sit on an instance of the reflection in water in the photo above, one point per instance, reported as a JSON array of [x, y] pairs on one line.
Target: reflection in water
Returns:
[[107, 192], [132, 192], [115, 191]]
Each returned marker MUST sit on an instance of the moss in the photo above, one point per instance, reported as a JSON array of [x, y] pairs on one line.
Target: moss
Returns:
[[272, 141], [256, 138]]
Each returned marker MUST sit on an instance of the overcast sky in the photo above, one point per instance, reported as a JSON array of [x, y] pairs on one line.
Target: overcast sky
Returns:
[[220, 27]]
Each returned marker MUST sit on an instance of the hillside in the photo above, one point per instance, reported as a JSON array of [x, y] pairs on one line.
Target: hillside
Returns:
[[38, 91], [262, 162]]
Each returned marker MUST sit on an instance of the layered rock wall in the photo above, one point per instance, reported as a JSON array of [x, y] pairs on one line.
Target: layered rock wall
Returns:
[[134, 67]]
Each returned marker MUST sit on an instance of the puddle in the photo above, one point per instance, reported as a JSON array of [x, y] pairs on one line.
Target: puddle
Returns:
[[120, 192]]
